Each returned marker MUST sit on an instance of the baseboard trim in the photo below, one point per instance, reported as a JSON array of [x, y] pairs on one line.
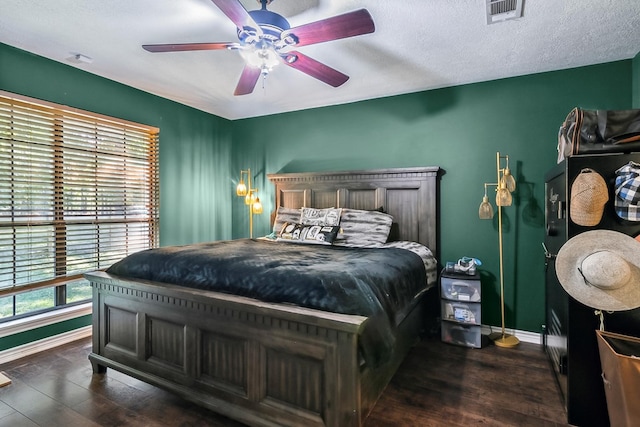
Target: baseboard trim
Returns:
[[523, 336], [44, 344]]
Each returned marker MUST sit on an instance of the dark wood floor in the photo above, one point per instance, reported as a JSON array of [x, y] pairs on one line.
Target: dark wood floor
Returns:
[[437, 385]]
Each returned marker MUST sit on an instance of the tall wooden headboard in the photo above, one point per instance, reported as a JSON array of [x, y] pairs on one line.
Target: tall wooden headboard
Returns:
[[410, 195]]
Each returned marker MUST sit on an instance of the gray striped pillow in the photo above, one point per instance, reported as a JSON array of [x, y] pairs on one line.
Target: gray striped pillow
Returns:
[[283, 216], [363, 229]]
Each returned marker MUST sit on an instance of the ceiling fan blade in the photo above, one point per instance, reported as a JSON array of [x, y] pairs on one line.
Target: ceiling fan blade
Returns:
[[315, 69], [237, 13], [338, 27], [180, 47], [248, 80]]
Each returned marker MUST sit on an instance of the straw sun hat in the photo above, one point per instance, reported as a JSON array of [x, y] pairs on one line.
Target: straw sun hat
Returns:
[[601, 269]]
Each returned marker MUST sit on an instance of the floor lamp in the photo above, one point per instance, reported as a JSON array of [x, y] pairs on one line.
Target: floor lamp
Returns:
[[250, 197], [504, 187]]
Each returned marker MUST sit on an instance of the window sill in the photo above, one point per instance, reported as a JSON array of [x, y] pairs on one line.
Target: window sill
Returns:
[[44, 319]]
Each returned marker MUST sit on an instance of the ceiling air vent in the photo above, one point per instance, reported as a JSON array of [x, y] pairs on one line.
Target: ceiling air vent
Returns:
[[503, 10]]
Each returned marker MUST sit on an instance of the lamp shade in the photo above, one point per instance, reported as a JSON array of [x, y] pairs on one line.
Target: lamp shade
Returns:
[[241, 189], [508, 180], [250, 198], [257, 206], [486, 210], [503, 196]]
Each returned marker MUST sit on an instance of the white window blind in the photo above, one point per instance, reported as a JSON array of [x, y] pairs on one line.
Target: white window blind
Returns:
[[78, 191]]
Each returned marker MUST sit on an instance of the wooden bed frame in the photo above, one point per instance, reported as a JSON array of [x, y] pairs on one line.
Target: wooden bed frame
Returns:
[[260, 363]]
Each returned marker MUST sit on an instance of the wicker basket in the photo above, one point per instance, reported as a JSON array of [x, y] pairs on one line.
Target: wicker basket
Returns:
[[620, 361]]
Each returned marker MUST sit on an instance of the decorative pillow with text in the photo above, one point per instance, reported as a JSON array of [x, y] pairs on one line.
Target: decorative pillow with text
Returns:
[[312, 234], [313, 216]]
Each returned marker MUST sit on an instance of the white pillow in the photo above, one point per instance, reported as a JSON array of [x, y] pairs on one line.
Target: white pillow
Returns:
[[313, 216]]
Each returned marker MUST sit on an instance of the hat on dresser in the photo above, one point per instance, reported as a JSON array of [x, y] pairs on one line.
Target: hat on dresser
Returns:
[[589, 194], [601, 269], [627, 190]]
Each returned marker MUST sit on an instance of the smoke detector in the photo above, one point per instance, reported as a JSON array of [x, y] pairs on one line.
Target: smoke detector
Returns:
[[78, 58], [503, 10]]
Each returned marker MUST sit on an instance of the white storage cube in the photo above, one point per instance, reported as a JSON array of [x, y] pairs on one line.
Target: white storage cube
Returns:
[[457, 311], [461, 334], [460, 289]]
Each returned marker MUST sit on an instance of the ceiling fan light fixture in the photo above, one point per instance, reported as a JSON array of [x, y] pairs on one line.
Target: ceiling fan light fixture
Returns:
[[265, 39], [261, 55]]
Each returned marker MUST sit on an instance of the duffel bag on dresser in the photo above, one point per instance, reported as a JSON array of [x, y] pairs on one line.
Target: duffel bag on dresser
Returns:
[[599, 131]]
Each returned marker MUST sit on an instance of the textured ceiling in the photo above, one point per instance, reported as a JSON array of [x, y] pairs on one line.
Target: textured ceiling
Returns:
[[417, 45]]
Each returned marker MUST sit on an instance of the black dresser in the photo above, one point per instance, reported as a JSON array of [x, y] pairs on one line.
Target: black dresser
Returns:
[[569, 337]]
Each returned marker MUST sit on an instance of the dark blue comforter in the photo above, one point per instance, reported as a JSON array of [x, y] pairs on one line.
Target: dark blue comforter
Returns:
[[377, 283]]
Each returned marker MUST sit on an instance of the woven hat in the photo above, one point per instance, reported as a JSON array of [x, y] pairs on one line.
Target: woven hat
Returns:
[[601, 269], [589, 194], [627, 190]]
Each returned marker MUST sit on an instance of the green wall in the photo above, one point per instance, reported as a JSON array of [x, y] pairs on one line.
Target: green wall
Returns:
[[195, 148], [459, 129]]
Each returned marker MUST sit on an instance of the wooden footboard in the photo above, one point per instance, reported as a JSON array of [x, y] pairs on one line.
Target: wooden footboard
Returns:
[[262, 364]]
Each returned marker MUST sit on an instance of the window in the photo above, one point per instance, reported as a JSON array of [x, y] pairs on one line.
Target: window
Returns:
[[78, 191]]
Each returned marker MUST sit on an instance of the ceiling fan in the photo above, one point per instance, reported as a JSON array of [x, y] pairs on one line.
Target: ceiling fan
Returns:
[[266, 39]]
